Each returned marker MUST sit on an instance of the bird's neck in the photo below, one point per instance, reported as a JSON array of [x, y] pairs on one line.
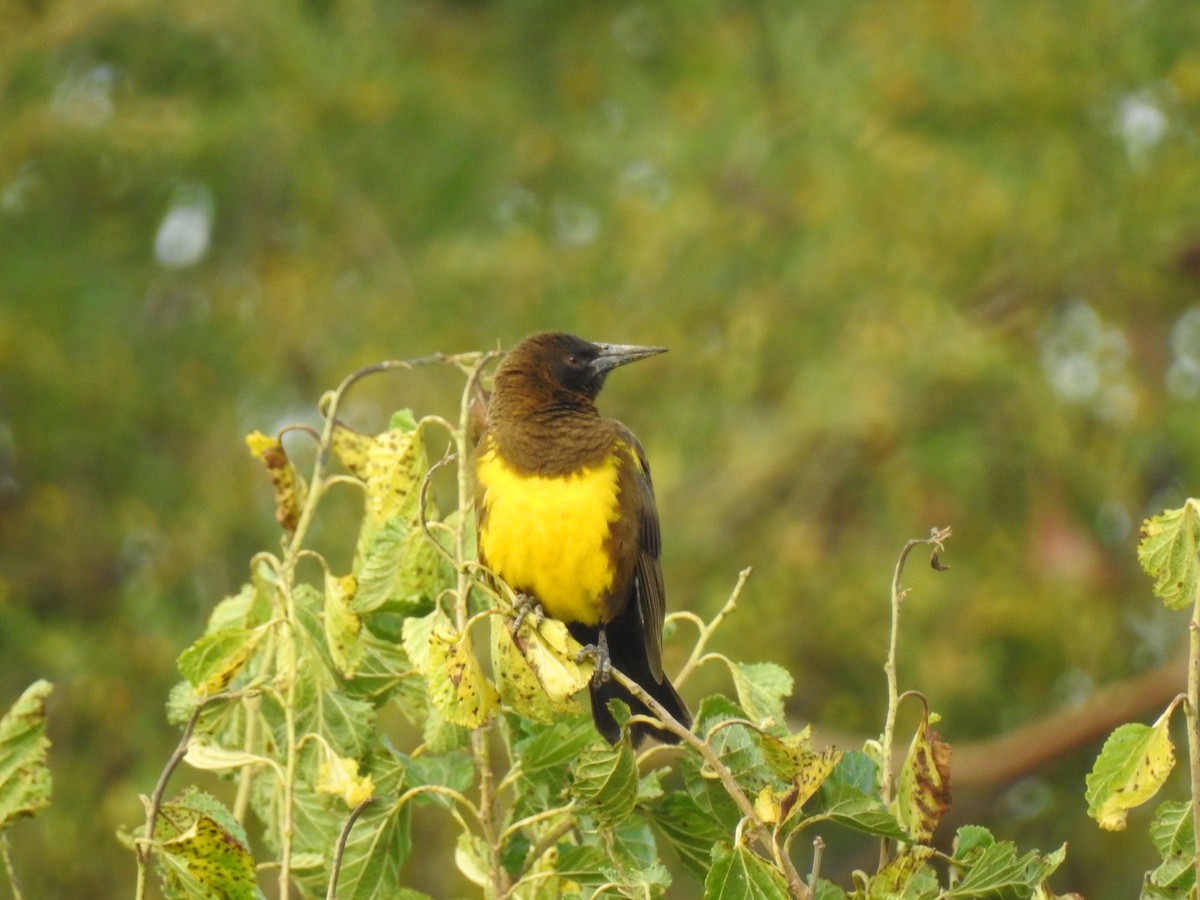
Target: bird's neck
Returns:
[[548, 438]]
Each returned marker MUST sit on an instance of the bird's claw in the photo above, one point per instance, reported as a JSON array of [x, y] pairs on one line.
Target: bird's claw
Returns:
[[526, 606], [597, 654]]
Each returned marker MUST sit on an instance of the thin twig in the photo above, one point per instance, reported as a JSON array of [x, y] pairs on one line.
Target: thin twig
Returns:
[[146, 843], [423, 506], [13, 883], [706, 631], [340, 850], [246, 777], [545, 842], [818, 852], [732, 788], [936, 537], [1192, 711]]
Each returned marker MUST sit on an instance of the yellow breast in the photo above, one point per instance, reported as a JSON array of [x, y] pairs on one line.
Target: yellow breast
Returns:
[[546, 536]]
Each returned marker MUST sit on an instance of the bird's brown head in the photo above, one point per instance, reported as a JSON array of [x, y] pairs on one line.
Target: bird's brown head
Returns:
[[556, 370]]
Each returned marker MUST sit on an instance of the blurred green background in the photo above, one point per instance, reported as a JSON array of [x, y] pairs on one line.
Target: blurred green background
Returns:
[[918, 263]]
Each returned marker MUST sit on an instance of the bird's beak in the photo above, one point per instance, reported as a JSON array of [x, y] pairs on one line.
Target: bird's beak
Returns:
[[613, 355]]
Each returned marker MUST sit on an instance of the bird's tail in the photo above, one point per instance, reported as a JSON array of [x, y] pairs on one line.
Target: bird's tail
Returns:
[[625, 644], [662, 691]]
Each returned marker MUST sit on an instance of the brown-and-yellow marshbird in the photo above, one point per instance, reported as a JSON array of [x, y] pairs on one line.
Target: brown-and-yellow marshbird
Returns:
[[567, 518]]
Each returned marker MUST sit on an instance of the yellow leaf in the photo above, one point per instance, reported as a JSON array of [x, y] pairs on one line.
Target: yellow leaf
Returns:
[[814, 769], [457, 685], [767, 806], [210, 757], [290, 489], [339, 776], [342, 625], [923, 796], [1133, 764], [519, 683]]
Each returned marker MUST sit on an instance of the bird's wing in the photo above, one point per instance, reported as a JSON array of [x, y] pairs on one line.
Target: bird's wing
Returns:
[[648, 577]]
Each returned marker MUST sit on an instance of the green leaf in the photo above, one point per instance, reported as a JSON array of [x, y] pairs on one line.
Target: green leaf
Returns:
[[857, 769], [605, 782], [442, 736], [379, 845], [691, 830], [471, 857], [417, 635], [25, 782], [1167, 551], [631, 846], [316, 823], [213, 661], [847, 805], [322, 704], [202, 851], [709, 794], [761, 690], [1132, 766], [248, 608], [907, 877], [402, 420], [1173, 834], [454, 770], [544, 760], [996, 871], [738, 746], [971, 839], [385, 673], [738, 873], [827, 890], [348, 725], [377, 563]]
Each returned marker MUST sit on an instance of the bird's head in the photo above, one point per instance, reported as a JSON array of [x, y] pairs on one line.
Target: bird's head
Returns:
[[563, 370]]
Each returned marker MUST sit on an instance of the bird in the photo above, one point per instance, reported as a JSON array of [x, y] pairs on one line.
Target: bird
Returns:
[[566, 516]]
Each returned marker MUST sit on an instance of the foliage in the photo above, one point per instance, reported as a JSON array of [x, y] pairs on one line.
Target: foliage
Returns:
[[283, 695], [1136, 759], [931, 261], [25, 781]]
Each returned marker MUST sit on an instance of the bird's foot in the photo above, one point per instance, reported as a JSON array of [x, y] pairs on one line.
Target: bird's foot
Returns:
[[526, 606], [597, 654]]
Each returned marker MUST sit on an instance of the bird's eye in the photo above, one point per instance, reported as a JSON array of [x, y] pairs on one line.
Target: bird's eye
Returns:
[[573, 359]]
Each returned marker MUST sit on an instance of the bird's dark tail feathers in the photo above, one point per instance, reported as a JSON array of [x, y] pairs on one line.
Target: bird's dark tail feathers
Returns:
[[664, 692], [627, 652]]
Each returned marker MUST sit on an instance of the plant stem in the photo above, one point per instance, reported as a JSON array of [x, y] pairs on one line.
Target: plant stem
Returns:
[[143, 848], [818, 852], [706, 631], [340, 850], [246, 777], [756, 828], [480, 747], [287, 828], [9, 870], [1192, 711], [936, 537]]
